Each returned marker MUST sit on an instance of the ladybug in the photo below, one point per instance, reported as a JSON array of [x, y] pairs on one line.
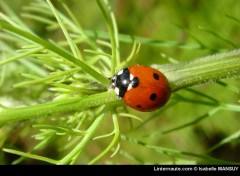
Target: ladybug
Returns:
[[141, 87]]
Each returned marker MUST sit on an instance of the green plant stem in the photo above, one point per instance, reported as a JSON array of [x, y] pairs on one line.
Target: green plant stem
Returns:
[[113, 32], [84, 141], [202, 70], [124, 38], [72, 45], [180, 75], [22, 55], [173, 152], [113, 142], [29, 155], [54, 48], [60, 106]]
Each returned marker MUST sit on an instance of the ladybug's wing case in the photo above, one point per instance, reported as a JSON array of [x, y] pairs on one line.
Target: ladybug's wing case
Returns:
[[146, 98], [148, 76], [152, 92]]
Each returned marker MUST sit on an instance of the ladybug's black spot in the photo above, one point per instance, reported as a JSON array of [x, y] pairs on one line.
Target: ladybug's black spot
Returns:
[[153, 96], [135, 82], [156, 76], [139, 106]]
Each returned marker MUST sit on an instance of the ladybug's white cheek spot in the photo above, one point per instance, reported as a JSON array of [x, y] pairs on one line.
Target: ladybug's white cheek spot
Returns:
[[116, 90], [120, 72], [131, 77], [129, 87]]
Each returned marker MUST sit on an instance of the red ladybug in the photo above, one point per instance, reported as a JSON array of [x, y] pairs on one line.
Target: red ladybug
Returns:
[[142, 88]]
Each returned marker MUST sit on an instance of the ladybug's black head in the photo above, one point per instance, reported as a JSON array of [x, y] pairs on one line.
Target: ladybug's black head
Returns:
[[120, 82], [123, 81]]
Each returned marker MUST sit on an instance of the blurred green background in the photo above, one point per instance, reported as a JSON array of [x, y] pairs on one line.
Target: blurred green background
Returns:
[[168, 21]]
